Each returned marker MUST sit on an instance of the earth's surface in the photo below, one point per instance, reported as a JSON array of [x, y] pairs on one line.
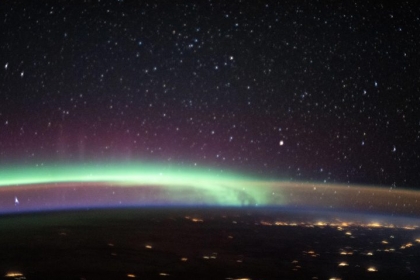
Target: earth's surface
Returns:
[[206, 243]]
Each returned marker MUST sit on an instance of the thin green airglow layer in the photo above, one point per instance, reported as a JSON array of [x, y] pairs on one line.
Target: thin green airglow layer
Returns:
[[216, 187]]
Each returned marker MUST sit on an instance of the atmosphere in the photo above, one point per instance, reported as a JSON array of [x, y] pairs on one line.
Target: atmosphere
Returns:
[[100, 185]]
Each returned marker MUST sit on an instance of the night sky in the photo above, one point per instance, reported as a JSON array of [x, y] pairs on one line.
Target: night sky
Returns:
[[312, 91]]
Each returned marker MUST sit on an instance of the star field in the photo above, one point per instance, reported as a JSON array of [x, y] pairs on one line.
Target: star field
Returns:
[[309, 91]]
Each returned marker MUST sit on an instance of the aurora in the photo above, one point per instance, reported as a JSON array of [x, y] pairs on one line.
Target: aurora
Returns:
[[140, 184], [215, 187]]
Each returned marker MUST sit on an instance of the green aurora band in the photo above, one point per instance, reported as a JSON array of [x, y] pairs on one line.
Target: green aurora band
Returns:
[[160, 184], [216, 187]]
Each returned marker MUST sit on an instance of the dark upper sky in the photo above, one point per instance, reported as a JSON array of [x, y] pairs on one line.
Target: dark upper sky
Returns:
[[216, 83]]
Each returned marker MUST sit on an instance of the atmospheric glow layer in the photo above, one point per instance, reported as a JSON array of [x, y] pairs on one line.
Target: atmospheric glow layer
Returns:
[[88, 185], [118, 173], [224, 188]]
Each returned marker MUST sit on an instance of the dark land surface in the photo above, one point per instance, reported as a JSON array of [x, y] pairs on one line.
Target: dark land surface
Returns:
[[187, 243]]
